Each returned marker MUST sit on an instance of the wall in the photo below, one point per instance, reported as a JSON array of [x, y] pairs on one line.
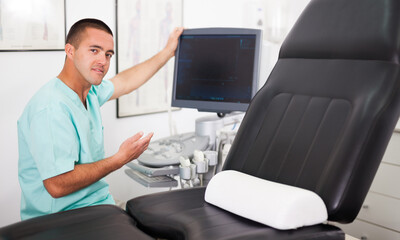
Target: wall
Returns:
[[23, 73]]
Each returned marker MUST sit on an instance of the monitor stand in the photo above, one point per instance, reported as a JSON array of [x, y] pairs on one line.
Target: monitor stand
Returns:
[[210, 125]]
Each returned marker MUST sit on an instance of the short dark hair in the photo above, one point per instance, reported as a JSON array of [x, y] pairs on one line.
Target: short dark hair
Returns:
[[75, 33]]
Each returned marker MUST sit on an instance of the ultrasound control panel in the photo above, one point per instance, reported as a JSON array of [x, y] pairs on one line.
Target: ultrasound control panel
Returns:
[[166, 151]]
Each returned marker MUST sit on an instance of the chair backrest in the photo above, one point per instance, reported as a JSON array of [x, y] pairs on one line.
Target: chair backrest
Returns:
[[323, 119]]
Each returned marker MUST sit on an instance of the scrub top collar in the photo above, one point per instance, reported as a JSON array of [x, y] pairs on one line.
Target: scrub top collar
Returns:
[[73, 95]]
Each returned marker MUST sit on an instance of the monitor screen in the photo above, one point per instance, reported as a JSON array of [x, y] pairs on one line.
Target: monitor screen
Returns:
[[216, 69]]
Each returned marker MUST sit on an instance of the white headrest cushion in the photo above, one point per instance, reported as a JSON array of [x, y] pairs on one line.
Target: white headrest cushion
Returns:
[[276, 205]]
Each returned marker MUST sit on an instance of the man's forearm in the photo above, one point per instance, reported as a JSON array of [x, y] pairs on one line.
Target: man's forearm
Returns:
[[134, 77], [82, 176]]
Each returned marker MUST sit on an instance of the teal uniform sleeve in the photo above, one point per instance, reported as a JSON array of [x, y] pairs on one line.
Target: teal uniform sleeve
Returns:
[[104, 91], [54, 142]]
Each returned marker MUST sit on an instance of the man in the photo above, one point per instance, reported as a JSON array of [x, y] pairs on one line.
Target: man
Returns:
[[60, 133]]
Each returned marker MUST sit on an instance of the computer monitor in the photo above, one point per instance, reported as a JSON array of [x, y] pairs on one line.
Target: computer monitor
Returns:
[[216, 69]]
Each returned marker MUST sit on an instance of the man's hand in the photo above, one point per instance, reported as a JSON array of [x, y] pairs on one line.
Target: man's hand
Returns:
[[173, 40], [133, 147]]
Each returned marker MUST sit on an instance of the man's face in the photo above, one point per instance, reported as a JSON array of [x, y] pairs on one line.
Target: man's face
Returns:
[[92, 57]]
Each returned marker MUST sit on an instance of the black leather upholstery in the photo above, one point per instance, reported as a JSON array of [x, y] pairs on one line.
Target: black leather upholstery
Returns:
[[360, 30], [183, 214], [321, 122], [98, 222]]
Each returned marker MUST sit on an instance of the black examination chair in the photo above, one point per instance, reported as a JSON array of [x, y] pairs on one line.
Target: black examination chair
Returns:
[[100, 222], [321, 122]]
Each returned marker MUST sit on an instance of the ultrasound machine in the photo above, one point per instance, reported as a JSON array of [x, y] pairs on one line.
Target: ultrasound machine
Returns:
[[216, 70]]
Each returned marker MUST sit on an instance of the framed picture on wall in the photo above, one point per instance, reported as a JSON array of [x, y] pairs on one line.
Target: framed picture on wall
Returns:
[[32, 25], [143, 28]]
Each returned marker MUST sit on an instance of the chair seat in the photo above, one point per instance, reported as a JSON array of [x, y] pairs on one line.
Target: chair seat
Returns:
[[183, 214], [95, 222]]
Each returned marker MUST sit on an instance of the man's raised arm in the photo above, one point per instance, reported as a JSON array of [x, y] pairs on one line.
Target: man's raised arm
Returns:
[[134, 77]]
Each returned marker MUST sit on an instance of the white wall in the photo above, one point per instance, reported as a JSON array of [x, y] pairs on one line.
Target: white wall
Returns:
[[23, 73]]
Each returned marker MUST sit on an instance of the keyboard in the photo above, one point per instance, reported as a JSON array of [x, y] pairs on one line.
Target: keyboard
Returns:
[[166, 151], [155, 181], [153, 171]]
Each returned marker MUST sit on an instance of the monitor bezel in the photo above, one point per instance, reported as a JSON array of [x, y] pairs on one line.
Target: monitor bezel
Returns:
[[214, 106]]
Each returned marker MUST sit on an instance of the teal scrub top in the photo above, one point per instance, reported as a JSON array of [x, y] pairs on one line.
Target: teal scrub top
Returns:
[[55, 133]]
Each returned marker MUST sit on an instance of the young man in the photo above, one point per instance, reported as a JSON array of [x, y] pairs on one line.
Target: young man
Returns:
[[60, 133]]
